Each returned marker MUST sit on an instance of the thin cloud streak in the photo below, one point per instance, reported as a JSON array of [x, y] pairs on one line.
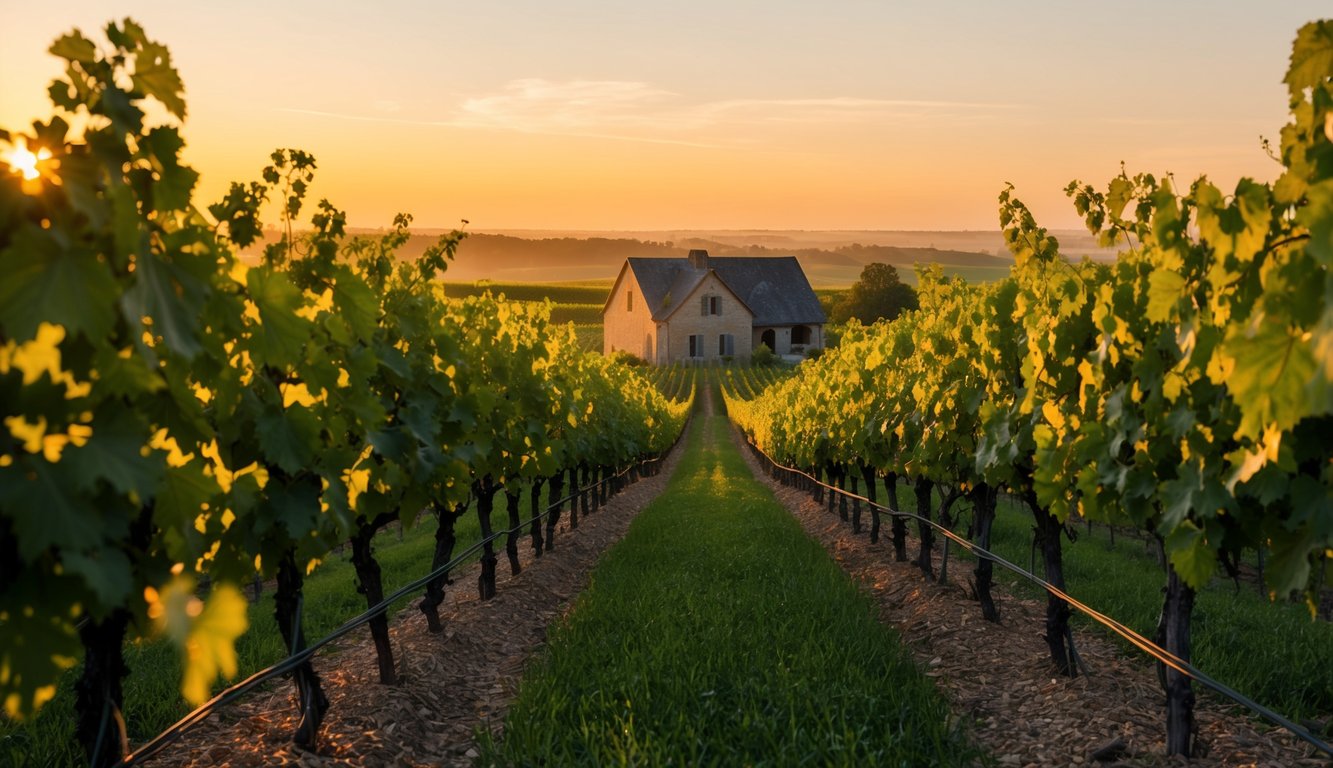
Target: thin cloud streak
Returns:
[[633, 111]]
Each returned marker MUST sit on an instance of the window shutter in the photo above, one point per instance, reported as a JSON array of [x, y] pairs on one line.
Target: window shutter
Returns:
[[717, 305], [731, 344], [703, 305]]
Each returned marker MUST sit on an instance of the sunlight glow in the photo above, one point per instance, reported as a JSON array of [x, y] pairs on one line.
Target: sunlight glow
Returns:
[[21, 160]]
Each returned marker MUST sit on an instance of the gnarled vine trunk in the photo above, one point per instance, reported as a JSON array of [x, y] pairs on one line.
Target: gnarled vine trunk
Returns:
[[1058, 639], [899, 522], [535, 511], [484, 490], [99, 694], [868, 474], [983, 499], [923, 487], [1177, 609], [555, 492], [445, 540], [371, 584], [287, 604], [512, 500], [856, 500], [576, 490]]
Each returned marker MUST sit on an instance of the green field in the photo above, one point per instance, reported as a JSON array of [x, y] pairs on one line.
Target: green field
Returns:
[[718, 633], [838, 277], [582, 292]]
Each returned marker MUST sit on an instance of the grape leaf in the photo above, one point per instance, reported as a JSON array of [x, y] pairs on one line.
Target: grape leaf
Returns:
[[154, 76], [44, 282], [1191, 556], [1271, 378], [1311, 57]]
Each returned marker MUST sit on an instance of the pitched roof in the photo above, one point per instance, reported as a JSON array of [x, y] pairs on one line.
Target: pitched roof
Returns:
[[773, 287]]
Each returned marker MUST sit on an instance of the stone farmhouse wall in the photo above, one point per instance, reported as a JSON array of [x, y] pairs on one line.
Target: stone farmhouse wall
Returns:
[[733, 318], [628, 322]]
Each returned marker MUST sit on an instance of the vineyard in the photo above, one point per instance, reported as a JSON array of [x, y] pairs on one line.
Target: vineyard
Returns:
[[180, 423], [1182, 391], [223, 453]]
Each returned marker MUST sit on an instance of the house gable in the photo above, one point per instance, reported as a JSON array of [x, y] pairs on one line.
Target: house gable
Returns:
[[697, 290]]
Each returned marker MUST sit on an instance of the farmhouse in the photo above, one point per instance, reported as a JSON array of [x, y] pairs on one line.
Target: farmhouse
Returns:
[[705, 308]]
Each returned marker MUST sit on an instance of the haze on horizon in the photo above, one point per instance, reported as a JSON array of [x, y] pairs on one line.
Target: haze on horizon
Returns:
[[596, 115]]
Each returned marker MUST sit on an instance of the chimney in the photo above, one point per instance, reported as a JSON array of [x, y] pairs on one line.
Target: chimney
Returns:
[[698, 259]]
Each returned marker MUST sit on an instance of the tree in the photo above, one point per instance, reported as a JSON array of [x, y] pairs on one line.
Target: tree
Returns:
[[877, 294]]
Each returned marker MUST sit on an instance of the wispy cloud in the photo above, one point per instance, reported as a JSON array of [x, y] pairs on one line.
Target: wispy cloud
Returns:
[[635, 111]]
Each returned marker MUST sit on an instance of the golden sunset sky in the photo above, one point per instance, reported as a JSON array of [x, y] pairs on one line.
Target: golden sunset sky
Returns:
[[706, 115]]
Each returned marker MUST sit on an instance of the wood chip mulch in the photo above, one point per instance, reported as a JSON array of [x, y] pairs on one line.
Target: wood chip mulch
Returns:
[[1000, 675], [451, 684]]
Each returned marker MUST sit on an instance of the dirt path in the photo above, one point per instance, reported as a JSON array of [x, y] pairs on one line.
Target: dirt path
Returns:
[[452, 684], [1000, 675]]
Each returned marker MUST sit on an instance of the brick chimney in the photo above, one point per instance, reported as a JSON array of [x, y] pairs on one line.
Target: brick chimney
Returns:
[[698, 259]]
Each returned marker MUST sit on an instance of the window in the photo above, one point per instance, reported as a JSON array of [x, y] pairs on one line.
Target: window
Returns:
[[800, 334], [710, 305], [629, 301], [696, 345], [726, 344]]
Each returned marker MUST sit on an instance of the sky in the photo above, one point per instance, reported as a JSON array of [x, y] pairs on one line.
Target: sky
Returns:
[[703, 115]]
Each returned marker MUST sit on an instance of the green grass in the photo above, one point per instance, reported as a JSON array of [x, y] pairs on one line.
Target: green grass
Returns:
[[718, 633], [152, 701], [1272, 652]]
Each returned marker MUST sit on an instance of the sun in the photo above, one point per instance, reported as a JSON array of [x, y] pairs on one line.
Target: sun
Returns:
[[21, 160]]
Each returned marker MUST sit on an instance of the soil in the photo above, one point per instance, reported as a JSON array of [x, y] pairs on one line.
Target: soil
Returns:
[[452, 684], [1000, 675]]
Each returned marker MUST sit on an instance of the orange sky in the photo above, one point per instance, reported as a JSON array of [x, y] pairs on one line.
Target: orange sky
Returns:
[[707, 115]]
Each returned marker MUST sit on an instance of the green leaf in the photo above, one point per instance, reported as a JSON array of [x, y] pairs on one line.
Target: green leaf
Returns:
[[1118, 194], [46, 283], [393, 443], [154, 76], [294, 507], [171, 297], [74, 47], [1289, 564], [212, 642], [106, 572], [288, 437], [281, 335], [358, 305], [1274, 368], [175, 182], [1177, 498], [45, 508], [1317, 216], [112, 455], [1311, 57], [1164, 290], [1191, 557], [181, 496], [37, 645]]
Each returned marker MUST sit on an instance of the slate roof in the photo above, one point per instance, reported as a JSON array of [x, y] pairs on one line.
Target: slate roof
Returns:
[[774, 288]]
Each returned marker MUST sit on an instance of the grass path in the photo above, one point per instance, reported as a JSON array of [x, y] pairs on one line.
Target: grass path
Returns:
[[718, 633]]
